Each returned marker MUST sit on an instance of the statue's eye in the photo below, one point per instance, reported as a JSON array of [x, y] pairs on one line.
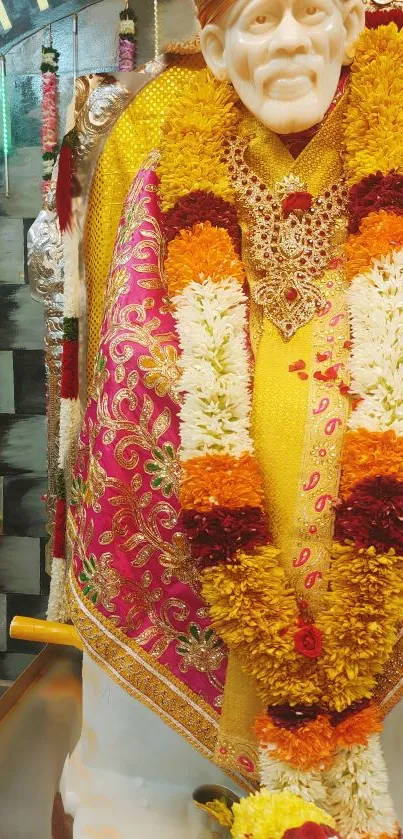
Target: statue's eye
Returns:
[[261, 19], [310, 11]]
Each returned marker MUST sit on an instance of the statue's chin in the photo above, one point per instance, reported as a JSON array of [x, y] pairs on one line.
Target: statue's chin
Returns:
[[290, 116]]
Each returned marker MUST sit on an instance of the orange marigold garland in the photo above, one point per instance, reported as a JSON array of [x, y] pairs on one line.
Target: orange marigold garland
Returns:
[[221, 480]]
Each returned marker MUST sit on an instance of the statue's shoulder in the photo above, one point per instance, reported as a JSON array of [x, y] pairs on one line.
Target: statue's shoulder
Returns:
[[144, 117]]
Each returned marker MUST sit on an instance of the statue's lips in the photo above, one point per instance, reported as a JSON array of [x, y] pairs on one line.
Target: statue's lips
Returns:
[[289, 85]]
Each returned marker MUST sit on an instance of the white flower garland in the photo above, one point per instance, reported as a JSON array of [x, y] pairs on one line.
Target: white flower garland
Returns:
[[376, 304], [357, 792], [278, 776], [211, 321]]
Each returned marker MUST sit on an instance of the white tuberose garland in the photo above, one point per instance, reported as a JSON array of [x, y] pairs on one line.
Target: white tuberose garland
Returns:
[[358, 796], [376, 304], [278, 776], [211, 322]]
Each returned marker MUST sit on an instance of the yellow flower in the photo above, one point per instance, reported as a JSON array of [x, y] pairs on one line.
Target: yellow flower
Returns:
[[359, 622], [269, 814], [253, 609], [191, 149], [374, 117], [220, 811]]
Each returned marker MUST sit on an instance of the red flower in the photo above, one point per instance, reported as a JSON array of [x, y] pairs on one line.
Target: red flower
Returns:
[[374, 193], [216, 535], [383, 17], [297, 201], [310, 830], [372, 515], [69, 377], [330, 375], [201, 206], [292, 717], [308, 641], [297, 365], [337, 717]]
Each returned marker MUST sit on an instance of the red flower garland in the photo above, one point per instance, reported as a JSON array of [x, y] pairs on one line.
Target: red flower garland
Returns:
[[216, 535], [374, 193], [372, 516], [383, 18], [293, 717], [200, 206], [69, 379]]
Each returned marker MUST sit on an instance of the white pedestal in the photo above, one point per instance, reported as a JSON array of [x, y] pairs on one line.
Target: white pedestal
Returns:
[[131, 776]]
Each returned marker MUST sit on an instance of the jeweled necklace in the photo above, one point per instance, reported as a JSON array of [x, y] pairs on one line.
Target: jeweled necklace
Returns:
[[289, 248]]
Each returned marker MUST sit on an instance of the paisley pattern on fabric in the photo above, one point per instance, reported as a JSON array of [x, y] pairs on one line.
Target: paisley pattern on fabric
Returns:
[[131, 560]]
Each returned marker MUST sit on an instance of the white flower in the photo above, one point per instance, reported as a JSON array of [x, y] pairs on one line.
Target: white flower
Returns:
[[376, 307], [211, 323], [278, 777], [357, 792]]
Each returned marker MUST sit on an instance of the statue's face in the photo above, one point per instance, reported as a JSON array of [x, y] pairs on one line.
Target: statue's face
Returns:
[[284, 57]]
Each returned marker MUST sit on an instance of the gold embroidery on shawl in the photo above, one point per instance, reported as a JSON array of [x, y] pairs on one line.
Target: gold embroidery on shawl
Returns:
[[138, 525]]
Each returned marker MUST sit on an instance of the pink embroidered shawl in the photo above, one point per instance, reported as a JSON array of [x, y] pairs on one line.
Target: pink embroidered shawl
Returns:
[[134, 594]]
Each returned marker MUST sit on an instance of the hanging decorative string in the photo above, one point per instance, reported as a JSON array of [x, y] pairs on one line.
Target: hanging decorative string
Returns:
[[127, 40], [156, 29], [49, 133]]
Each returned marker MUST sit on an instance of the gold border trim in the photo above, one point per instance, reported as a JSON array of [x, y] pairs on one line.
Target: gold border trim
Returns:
[[145, 679]]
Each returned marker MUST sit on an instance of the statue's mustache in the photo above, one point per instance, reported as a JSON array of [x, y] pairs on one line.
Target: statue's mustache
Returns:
[[297, 65]]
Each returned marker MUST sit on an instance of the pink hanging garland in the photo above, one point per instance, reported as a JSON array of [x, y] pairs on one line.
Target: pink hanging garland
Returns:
[[127, 41], [49, 132]]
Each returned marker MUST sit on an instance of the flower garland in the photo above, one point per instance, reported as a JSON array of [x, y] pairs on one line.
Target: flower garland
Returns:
[[127, 41], [49, 130], [278, 815], [334, 662]]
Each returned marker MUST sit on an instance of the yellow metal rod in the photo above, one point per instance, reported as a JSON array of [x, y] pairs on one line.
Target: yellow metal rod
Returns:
[[45, 632]]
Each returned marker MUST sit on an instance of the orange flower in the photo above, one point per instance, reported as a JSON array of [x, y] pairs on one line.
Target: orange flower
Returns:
[[202, 253], [356, 728], [305, 748], [380, 234], [219, 479], [370, 453]]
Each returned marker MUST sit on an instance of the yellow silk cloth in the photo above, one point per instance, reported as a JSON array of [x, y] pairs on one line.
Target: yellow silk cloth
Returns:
[[282, 409], [136, 133], [281, 400]]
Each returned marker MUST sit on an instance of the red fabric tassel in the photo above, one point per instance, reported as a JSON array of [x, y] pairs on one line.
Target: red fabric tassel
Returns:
[[59, 550], [64, 187], [69, 383]]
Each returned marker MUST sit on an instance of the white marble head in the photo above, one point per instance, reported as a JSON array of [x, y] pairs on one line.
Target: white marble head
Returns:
[[284, 57]]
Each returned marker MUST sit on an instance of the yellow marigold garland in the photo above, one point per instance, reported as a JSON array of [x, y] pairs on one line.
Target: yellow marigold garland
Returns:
[[191, 148], [271, 814], [359, 622], [254, 609], [374, 116]]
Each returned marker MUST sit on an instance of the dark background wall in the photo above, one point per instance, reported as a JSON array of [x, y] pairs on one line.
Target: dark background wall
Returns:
[[24, 583]]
